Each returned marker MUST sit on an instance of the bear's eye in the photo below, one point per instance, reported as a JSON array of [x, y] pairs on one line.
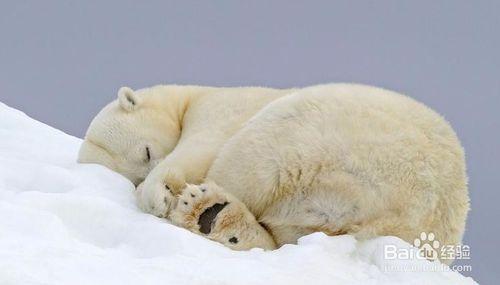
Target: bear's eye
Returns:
[[148, 154]]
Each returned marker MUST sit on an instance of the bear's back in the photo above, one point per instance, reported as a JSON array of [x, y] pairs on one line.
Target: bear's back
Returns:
[[405, 156]]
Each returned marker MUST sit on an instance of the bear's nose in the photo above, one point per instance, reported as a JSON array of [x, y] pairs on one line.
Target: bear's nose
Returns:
[[137, 182]]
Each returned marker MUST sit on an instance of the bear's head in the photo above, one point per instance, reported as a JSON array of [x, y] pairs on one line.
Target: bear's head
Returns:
[[132, 134]]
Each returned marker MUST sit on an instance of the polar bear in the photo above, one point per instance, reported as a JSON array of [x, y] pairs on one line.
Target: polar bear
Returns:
[[273, 165]]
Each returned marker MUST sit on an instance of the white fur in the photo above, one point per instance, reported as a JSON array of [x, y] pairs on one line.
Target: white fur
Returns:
[[338, 158]]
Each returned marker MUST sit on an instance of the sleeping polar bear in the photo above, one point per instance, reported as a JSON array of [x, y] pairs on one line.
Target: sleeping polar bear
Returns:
[[274, 165]]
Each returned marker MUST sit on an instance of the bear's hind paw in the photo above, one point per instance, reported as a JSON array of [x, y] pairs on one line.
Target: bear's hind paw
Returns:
[[208, 211]]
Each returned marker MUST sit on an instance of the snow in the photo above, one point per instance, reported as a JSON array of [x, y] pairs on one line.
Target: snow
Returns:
[[66, 223]]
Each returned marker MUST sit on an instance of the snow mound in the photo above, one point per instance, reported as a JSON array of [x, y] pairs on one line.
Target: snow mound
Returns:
[[65, 223]]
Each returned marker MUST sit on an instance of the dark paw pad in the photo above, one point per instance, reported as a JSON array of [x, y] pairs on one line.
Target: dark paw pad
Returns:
[[207, 218]]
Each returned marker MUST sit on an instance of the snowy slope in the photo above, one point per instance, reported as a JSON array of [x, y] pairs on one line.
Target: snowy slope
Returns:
[[64, 223]]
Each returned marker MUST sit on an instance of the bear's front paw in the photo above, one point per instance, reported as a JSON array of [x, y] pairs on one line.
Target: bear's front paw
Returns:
[[157, 194], [209, 211]]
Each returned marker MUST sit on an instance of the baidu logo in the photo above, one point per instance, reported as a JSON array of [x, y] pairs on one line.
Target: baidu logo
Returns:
[[427, 247]]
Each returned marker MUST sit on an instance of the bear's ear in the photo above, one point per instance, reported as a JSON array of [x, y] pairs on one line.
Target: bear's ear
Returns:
[[128, 100]]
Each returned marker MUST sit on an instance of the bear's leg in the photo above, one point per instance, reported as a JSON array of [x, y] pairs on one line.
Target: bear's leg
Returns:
[[209, 211], [187, 163]]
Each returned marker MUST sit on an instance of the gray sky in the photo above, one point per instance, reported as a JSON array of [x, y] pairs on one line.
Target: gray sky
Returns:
[[61, 61]]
